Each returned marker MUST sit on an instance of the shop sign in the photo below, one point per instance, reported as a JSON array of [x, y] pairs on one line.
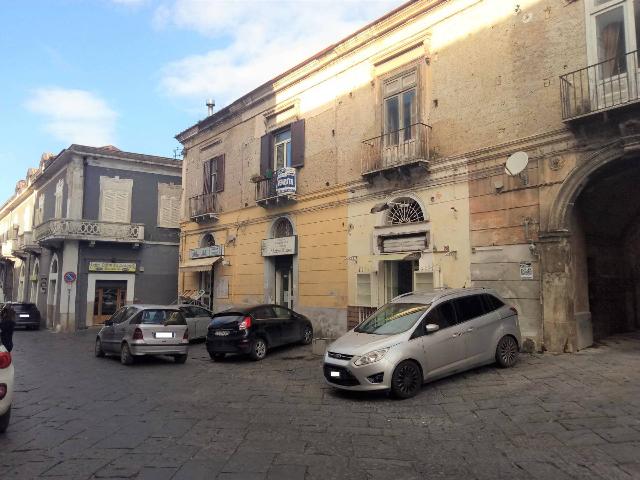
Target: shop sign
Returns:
[[526, 271], [279, 246], [286, 181], [204, 252], [112, 267]]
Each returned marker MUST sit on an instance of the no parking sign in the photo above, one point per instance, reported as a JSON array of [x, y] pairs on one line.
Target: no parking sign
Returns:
[[70, 277]]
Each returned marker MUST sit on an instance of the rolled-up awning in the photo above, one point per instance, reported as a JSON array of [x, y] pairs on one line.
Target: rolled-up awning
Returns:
[[199, 264], [396, 256]]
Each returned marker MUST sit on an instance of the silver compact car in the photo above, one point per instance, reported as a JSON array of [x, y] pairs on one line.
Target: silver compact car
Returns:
[[138, 330], [419, 337]]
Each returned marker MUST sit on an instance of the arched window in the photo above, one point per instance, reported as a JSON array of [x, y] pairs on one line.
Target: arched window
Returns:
[[282, 228], [208, 240], [21, 285], [404, 210], [54, 265], [33, 296]]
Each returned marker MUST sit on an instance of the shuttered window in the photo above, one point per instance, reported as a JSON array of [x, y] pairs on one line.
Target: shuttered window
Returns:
[[282, 148], [59, 192], [169, 205], [115, 199], [213, 175]]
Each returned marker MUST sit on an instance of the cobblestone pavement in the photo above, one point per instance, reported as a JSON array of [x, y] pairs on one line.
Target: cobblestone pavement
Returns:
[[551, 417]]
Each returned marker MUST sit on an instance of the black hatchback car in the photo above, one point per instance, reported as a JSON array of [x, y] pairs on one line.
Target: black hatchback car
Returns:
[[253, 330], [24, 314]]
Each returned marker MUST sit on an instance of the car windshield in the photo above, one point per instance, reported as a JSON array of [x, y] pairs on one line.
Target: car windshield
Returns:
[[393, 318], [162, 317]]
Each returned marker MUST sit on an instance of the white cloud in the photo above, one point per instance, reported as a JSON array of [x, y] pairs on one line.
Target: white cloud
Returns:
[[74, 116], [259, 40], [129, 3]]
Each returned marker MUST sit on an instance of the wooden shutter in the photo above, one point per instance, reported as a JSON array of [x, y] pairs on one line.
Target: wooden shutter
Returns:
[[297, 144], [265, 154], [219, 173], [108, 207], [206, 177]]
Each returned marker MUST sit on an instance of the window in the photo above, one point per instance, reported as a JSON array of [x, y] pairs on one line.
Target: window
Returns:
[[169, 205], [443, 315], [611, 27], [491, 303], [392, 318], [281, 312], [404, 210], [115, 199], [282, 148], [469, 307], [213, 175], [400, 107], [161, 317], [263, 312], [363, 289], [58, 195], [40, 210], [282, 228]]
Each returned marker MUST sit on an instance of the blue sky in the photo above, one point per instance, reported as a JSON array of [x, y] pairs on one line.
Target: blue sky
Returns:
[[133, 73]]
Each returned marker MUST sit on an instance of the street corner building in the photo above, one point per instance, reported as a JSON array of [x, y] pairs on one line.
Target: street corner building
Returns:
[[447, 144], [90, 230]]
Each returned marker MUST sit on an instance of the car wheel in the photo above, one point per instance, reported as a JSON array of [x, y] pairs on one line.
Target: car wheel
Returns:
[[4, 420], [507, 352], [125, 355], [98, 350], [307, 335], [406, 380], [180, 358], [216, 357], [258, 349]]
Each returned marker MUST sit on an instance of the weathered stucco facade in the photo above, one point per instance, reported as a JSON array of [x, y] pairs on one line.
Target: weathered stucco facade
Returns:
[[418, 113]]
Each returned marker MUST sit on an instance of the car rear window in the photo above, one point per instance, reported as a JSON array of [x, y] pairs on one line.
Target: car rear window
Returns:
[[23, 307], [227, 319], [161, 317]]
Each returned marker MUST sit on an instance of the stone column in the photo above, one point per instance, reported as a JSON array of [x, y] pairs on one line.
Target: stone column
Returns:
[[558, 319]]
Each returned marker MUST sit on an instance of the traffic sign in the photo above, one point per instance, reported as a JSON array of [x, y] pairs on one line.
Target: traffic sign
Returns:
[[70, 277]]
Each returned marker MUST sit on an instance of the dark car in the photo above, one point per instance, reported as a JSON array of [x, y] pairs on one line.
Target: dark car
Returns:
[[253, 330], [25, 315]]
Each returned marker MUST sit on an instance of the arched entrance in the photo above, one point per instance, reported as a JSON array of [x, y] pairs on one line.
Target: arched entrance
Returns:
[[280, 268], [590, 253]]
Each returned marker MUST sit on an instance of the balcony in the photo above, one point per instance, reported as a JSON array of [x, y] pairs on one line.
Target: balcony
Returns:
[[203, 207], [279, 189], [25, 245], [59, 230], [396, 152], [7, 248], [601, 87]]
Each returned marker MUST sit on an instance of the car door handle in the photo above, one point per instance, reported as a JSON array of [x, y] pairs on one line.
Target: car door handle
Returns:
[[457, 334], [469, 329]]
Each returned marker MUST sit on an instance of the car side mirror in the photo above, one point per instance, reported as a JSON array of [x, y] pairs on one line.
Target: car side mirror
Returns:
[[108, 323], [431, 327]]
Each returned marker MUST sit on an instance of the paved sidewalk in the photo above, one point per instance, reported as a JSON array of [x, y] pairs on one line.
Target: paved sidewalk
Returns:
[[551, 417]]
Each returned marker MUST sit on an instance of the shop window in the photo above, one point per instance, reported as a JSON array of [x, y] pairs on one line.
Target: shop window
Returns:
[[363, 289], [423, 281]]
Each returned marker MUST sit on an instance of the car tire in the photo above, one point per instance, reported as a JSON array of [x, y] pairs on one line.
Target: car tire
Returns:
[[99, 352], [507, 352], [180, 359], [307, 335], [258, 349], [125, 355], [406, 380], [216, 357], [4, 420]]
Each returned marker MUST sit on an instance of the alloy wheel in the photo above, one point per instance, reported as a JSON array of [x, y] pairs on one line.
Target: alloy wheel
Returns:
[[507, 352]]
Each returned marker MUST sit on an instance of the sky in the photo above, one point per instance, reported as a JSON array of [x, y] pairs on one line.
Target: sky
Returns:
[[134, 73]]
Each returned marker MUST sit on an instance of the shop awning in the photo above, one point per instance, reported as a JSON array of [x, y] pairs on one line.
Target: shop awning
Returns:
[[199, 264]]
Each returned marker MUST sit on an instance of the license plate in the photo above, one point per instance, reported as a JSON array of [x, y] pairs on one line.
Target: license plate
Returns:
[[164, 334], [335, 374], [222, 333], [24, 315]]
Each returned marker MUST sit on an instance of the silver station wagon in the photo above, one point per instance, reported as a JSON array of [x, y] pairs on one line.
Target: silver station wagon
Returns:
[[138, 330], [420, 337]]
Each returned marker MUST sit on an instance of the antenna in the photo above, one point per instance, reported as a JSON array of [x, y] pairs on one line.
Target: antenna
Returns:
[[516, 163]]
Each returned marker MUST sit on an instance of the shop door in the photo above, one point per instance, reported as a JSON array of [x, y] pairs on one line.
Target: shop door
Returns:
[[110, 296], [284, 281], [399, 278]]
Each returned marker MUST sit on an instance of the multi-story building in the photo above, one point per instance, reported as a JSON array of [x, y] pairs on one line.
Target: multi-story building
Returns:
[[448, 143], [106, 233]]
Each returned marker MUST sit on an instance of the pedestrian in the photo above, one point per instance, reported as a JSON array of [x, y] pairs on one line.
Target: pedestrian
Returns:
[[7, 324]]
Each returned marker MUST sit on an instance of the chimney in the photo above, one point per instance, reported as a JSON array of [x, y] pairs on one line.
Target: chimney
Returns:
[[210, 104]]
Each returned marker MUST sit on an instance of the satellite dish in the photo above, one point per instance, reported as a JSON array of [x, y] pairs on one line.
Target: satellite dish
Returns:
[[516, 163]]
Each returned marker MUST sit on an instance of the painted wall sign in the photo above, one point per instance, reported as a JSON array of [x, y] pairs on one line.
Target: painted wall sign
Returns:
[[526, 271], [112, 267], [286, 181], [279, 246], [204, 252], [70, 277]]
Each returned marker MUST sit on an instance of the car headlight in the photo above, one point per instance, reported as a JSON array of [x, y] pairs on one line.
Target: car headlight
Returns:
[[371, 357]]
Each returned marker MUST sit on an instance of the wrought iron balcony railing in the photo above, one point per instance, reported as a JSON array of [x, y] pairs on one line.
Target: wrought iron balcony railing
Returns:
[[404, 147], [603, 86], [269, 193], [92, 230], [203, 206]]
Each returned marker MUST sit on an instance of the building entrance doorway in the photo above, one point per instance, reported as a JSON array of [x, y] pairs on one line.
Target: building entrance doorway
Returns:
[[399, 277], [110, 296], [606, 247], [284, 280]]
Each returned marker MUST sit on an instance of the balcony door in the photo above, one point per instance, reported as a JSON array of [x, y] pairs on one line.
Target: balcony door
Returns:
[[400, 117]]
